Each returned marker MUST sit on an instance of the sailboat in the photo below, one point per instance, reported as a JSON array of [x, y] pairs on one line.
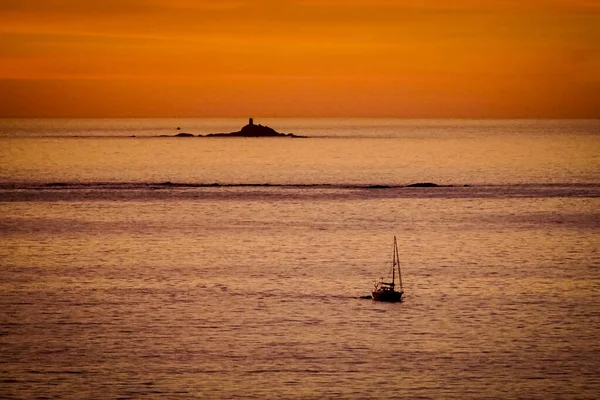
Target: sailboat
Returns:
[[386, 291]]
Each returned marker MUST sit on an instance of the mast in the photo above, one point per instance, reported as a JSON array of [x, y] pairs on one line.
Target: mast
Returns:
[[398, 261], [394, 264]]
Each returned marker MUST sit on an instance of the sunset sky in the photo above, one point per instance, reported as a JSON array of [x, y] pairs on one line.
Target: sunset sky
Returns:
[[321, 58]]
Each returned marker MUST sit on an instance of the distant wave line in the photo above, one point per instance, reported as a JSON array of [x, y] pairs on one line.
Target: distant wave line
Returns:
[[168, 184], [130, 191]]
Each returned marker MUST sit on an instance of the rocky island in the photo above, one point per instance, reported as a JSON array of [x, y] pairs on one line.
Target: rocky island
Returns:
[[252, 130]]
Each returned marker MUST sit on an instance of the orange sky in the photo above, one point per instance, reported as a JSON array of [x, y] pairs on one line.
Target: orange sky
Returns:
[[413, 58]]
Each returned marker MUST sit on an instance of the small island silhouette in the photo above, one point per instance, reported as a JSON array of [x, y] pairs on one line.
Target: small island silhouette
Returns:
[[250, 130]]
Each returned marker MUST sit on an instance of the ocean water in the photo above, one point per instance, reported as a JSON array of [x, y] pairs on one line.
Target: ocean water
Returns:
[[139, 266]]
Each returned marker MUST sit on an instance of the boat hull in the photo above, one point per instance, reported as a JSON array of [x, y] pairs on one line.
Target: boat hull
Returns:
[[389, 296]]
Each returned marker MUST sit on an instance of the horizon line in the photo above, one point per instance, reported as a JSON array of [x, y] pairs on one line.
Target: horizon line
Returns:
[[304, 117]]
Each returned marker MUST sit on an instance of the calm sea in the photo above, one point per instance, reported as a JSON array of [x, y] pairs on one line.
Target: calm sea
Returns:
[[139, 266]]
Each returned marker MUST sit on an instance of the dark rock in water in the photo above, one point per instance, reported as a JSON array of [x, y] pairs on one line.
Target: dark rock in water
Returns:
[[366, 297], [378, 187], [423, 184], [252, 130], [258, 130]]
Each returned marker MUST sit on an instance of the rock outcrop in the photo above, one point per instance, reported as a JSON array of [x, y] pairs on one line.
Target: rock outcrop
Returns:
[[423, 184], [252, 130]]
